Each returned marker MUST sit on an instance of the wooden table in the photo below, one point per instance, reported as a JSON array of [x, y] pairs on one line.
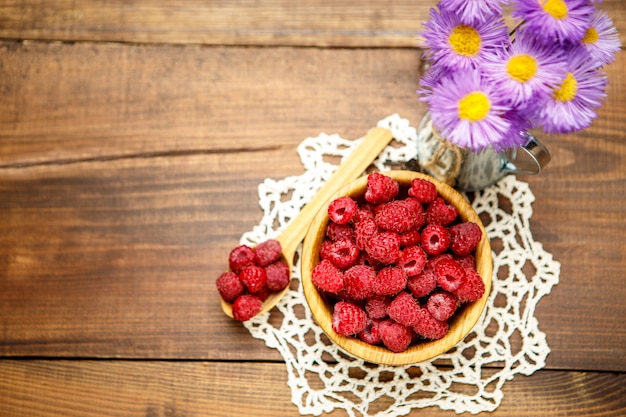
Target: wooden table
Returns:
[[133, 136]]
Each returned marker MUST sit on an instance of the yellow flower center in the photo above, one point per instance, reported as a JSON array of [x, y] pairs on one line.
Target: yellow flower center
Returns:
[[474, 107], [522, 67], [465, 40], [568, 88], [555, 8], [591, 36]]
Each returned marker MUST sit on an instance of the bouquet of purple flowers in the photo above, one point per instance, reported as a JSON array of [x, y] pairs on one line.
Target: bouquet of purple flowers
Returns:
[[487, 83]]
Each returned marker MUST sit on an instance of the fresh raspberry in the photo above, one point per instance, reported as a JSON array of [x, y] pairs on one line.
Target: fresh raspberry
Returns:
[[371, 333], [467, 262], [376, 306], [364, 211], [253, 277], [325, 248], [404, 309], [423, 190], [464, 237], [364, 231], [263, 294], [423, 284], [395, 336], [413, 260], [336, 231], [435, 239], [395, 216], [278, 276], [229, 286], [380, 188], [365, 259], [246, 306], [390, 281], [434, 260], [268, 252], [410, 238], [384, 247], [450, 274], [440, 212], [472, 289], [414, 205], [240, 257], [442, 305], [343, 254], [417, 210], [348, 318], [359, 282], [429, 327], [327, 277], [342, 210]]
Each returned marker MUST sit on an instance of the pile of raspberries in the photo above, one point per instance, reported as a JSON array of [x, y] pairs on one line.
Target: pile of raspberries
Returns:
[[254, 274], [397, 264]]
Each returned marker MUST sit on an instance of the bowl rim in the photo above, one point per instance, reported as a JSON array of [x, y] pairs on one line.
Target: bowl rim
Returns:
[[462, 322]]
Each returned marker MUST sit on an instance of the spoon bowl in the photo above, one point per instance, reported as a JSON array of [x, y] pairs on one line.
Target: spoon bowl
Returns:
[[350, 169]]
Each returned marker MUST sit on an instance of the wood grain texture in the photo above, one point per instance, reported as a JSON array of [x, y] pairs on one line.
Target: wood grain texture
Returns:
[[369, 23], [66, 102], [133, 136], [122, 181], [245, 22], [168, 389], [95, 261]]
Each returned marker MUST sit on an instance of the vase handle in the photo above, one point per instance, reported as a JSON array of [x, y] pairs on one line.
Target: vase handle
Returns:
[[528, 159]]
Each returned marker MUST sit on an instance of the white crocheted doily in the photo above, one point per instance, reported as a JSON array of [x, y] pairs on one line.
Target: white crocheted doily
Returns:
[[506, 341]]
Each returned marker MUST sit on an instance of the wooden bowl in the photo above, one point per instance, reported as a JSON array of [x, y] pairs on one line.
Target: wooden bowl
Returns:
[[460, 324]]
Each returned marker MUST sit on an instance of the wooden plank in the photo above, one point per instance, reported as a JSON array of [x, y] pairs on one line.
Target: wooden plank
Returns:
[[371, 23], [66, 102], [118, 259], [578, 210], [221, 114], [113, 388], [111, 101], [221, 22]]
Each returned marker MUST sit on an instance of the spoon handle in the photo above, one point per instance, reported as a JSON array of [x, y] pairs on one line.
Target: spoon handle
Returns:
[[350, 169]]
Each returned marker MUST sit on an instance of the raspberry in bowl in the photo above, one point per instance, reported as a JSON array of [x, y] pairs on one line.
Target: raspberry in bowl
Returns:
[[396, 268]]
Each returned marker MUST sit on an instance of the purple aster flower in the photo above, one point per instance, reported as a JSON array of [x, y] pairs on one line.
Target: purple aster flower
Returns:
[[529, 68], [455, 44], [473, 11], [556, 20], [601, 39], [519, 125], [430, 80], [468, 111], [573, 103]]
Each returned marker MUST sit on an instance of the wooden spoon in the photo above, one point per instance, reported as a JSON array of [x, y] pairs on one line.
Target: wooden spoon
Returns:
[[355, 164]]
